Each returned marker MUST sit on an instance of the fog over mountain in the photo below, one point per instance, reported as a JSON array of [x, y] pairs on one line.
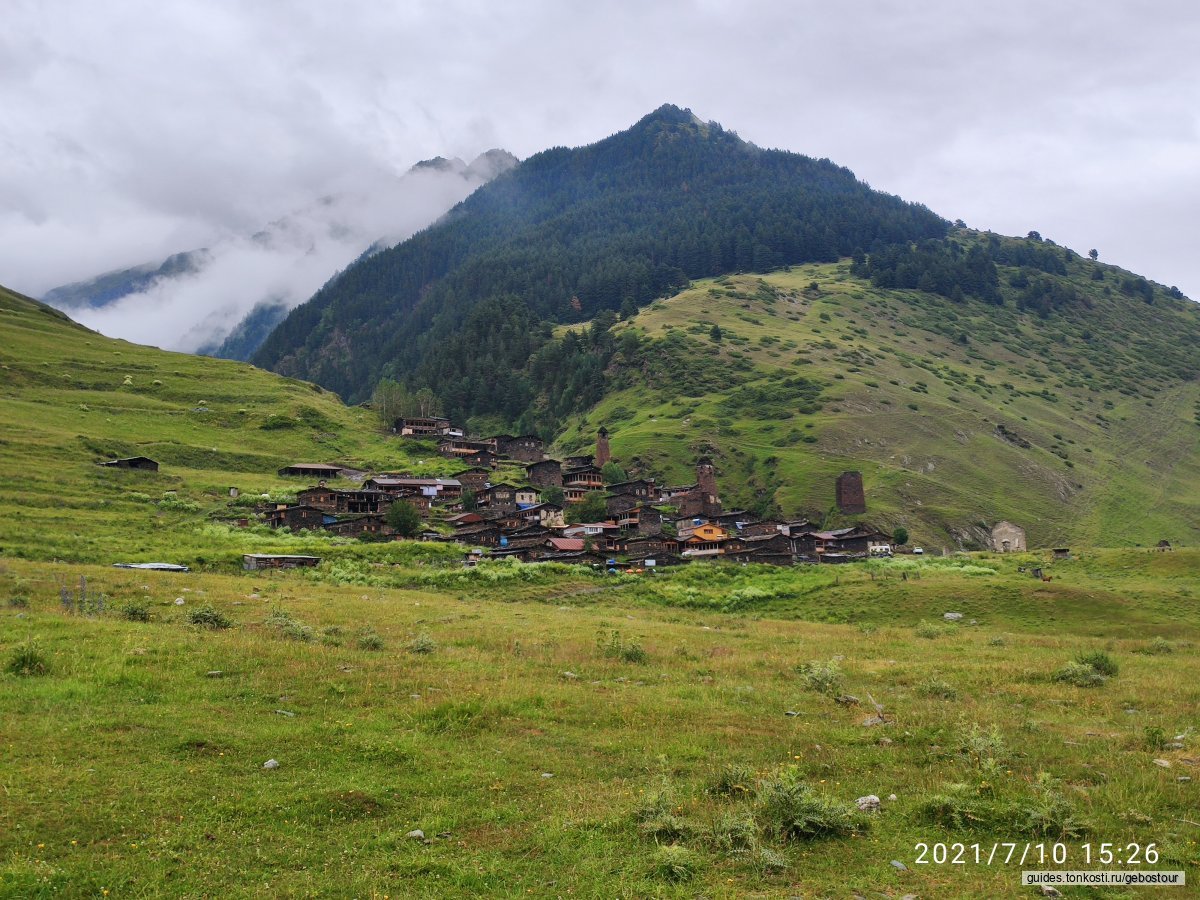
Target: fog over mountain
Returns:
[[196, 298]]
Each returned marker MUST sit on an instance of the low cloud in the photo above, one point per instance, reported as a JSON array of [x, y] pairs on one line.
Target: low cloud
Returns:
[[284, 263]]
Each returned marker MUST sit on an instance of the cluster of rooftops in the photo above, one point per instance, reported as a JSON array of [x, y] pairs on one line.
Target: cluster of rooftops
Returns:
[[643, 524]]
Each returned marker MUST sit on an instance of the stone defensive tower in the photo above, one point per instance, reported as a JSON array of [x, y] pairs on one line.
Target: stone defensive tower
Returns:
[[603, 454], [850, 495], [706, 485]]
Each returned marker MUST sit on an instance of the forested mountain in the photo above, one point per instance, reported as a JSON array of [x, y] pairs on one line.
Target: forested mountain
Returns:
[[565, 236]]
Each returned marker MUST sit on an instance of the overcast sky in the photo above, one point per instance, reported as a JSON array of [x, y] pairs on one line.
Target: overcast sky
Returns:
[[134, 128]]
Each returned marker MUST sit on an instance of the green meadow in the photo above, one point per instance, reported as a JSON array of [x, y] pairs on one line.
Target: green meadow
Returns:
[[557, 733], [550, 731]]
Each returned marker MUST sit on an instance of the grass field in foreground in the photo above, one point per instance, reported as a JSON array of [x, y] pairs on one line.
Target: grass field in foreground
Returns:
[[559, 734]]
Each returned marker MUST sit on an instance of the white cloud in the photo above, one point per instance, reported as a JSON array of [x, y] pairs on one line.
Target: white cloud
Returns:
[[134, 128], [284, 263]]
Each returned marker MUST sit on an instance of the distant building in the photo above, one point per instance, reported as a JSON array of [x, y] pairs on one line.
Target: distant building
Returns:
[[1008, 538], [850, 497], [298, 517], [425, 426], [145, 463], [527, 448], [547, 473], [603, 454], [312, 470], [252, 561]]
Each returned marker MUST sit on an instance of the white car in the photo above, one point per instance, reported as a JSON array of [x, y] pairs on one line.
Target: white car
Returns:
[[917, 551]]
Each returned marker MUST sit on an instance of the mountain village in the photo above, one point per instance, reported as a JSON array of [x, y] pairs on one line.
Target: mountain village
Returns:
[[513, 501]]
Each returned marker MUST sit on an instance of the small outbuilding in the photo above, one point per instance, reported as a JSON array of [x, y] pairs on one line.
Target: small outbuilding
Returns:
[[312, 470], [254, 561], [144, 463], [1008, 538]]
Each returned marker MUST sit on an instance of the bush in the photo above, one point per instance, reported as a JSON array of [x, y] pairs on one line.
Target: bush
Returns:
[[824, 678], [208, 616], [1080, 675], [1050, 813], [984, 747], [286, 626], [675, 863], [369, 640], [734, 780], [27, 660], [929, 630], [734, 832], [770, 862], [939, 690], [136, 611], [789, 810], [1156, 738], [422, 644], [957, 808], [656, 817], [18, 601], [1100, 661], [615, 647], [1156, 647]]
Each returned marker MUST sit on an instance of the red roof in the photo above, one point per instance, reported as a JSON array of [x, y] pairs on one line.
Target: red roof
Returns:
[[566, 544]]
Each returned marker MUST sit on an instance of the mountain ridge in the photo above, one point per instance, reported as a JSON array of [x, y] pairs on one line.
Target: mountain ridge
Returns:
[[572, 232]]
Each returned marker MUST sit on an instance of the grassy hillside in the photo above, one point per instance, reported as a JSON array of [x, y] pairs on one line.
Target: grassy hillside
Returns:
[[561, 735], [554, 731], [70, 397], [933, 400]]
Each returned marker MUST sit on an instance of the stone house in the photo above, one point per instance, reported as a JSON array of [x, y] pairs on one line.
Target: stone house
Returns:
[[1008, 538]]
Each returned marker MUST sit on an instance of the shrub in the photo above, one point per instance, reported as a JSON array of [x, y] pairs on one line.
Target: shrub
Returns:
[[422, 644], [789, 810], [1156, 647], [733, 780], [824, 678], [983, 746], [734, 832], [208, 616], [1100, 661], [18, 601], [937, 689], [957, 808], [1080, 675], [136, 611], [929, 630], [657, 818], [770, 862], [997, 641], [27, 660], [369, 640], [283, 624], [616, 647], [1156, 738], [675, 863], [1050, 813]]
